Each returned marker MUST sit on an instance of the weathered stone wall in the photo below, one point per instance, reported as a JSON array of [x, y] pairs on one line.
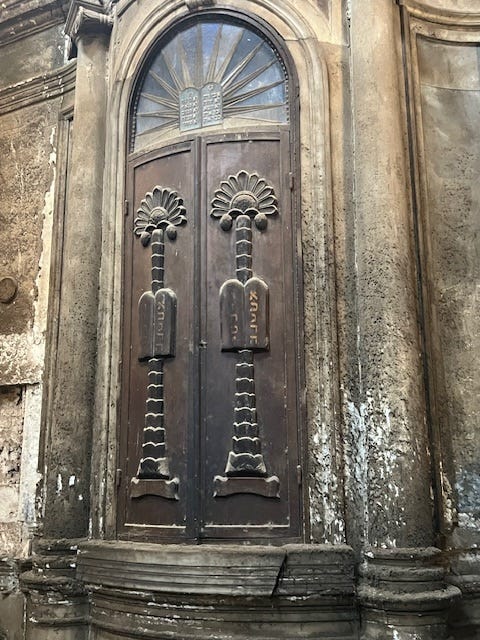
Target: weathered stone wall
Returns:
[[450, 100], [30, 91], [389, 150], [28, 134]]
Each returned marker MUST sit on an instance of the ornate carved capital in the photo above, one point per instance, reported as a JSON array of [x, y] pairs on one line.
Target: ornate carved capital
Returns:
[[87, 17]]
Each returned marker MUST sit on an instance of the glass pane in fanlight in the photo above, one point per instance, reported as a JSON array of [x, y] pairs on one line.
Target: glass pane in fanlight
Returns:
[[243, 67]]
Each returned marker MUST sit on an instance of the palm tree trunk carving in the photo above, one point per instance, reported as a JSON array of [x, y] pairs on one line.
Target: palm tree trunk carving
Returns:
[[244, 330], [160, 212]]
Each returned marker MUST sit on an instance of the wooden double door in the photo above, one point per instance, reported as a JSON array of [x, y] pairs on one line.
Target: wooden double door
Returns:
[[211, 370]]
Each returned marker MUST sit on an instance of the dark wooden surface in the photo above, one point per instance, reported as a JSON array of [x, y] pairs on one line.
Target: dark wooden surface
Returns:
[[200, 380]]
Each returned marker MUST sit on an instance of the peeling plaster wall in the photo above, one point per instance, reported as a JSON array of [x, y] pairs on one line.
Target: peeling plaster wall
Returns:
[[11, 423], [27, 178], [30, 57], [28, 139]]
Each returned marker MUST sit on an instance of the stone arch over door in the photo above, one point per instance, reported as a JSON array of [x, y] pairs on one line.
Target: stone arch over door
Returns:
[[136, 38]]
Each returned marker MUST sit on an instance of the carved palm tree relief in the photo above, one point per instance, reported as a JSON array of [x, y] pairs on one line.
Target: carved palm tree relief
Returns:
[[160, 212], [244, 329]]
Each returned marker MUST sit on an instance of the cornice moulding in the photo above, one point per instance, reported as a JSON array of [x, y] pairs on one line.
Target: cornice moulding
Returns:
[[451, 17], [19, 19], [86, 17], [44, 87]]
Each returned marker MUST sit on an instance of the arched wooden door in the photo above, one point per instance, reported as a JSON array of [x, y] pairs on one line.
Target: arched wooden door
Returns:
[[212, 360]]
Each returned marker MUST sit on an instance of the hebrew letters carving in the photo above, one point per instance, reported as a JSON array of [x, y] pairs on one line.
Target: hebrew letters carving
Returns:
[[244, 315], [160, 212], [244, 329]]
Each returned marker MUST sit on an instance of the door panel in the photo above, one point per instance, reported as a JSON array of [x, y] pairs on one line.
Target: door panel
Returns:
[[234, 481], [173, 168], [242, 514]]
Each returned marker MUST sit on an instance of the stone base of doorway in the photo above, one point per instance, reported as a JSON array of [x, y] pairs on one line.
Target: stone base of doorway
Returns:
[[403, 595], [56, 603], [219, 593]]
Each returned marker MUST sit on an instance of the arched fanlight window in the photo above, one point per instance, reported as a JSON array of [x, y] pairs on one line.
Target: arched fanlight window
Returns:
[[208, 74]]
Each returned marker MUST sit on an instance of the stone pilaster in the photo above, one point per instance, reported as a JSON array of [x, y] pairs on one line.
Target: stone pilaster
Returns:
[[402, 590], [56, 603], [70, 406], [392, 442]]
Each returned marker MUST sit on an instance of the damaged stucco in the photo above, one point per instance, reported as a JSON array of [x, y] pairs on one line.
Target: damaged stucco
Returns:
[[28, 139]]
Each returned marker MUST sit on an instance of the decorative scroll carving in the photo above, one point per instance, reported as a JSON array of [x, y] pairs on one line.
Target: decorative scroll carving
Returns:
[[87, 17], [244, 329], [160, 212]]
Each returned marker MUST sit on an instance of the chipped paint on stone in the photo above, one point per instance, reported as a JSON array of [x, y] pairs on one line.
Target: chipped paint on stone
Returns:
[[12, 400], [468, 488], [325, 512], [447, 497], [374, 468], [22, 359], [29, 462]]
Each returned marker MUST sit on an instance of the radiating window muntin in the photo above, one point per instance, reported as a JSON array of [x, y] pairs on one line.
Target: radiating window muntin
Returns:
[[210, 73]]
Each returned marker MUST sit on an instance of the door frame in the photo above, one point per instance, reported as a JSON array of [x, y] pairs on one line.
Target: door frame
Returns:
[[136, 30]]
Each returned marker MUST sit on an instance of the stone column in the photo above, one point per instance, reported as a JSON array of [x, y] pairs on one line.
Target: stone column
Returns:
[[53, 596], [69, 420], [391, 443]]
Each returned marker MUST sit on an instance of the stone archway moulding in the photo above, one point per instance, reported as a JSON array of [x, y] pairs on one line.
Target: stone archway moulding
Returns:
[[466, 13], [132, 38]]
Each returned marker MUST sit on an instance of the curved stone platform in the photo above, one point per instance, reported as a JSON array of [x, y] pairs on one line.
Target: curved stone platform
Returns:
[[228, 592]]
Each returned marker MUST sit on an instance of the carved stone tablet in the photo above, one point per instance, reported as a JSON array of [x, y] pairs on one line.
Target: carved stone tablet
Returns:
[[231, 315], [256, 314], [244, 315], [157, 320], [190, 113], [212, 104], [164, 323]]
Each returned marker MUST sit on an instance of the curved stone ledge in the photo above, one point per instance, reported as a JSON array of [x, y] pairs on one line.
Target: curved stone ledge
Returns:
[[174, 569], [426, 10], [115, 613], [220, 570], [420, 601], [223, 592]]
